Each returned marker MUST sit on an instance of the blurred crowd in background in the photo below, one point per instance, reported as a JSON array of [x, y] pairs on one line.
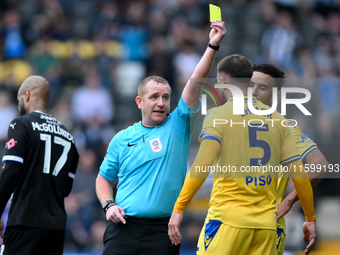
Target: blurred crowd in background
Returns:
[[94, 53]]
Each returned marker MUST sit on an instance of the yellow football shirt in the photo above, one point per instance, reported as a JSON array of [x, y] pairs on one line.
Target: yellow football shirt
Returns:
[[304, 145], [244, 194]]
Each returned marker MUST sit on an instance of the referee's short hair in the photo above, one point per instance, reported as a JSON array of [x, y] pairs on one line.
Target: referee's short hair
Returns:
[[142, 84]]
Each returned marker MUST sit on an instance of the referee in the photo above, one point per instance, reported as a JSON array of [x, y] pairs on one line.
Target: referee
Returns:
[[149, 159]]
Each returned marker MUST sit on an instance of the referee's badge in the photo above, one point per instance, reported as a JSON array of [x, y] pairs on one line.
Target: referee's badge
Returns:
[[156, 144]]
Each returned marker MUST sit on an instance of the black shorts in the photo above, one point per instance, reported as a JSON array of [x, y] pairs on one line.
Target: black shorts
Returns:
[[139, 236], [33, 241]]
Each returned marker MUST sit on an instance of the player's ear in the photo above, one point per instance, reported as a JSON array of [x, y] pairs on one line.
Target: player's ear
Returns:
[[224, 79], [27, 95], [139, 102]]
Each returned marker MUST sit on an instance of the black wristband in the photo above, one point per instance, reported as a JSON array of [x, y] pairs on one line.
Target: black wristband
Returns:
[[213, 46], [107, 208], [107, 204]]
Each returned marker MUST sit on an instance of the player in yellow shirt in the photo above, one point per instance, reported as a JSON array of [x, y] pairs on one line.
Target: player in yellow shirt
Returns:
[[242, 215], [265, 77]]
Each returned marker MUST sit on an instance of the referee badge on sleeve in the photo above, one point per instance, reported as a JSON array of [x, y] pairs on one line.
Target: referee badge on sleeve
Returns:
[[156, 144]]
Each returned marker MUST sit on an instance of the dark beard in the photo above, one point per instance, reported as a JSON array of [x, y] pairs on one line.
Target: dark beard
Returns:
[[22, 109]]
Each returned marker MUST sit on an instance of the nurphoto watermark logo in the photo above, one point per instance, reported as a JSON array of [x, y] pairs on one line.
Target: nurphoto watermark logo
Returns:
[[295, 97], [254, 110], [238, 100]]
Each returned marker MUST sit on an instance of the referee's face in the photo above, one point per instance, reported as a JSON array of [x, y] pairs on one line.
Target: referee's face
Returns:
[[155, 103], [262, 85]]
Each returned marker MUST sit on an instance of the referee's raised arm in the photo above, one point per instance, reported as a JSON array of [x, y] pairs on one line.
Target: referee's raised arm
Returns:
[[190, 93]]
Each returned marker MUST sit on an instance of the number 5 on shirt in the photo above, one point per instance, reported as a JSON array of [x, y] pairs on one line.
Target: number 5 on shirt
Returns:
[[255, 142]]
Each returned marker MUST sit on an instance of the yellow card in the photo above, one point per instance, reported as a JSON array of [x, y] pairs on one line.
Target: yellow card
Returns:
[[215, 12]]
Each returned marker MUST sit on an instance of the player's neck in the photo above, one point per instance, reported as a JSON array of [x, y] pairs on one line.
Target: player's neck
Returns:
[[40, 106], [39, 109]]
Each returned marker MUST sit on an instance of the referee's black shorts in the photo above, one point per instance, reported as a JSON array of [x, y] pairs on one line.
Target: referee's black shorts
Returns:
[[139, 236], [32, 241]]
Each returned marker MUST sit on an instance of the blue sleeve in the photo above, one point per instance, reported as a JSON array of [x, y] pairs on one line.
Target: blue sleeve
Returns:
[[110, 167], [186, 116]]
